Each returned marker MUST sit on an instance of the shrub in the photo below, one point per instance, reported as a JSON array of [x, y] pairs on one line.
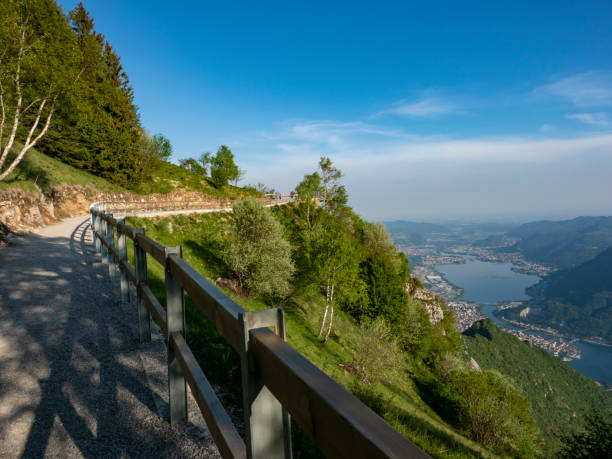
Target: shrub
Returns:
[[375, 351], [490, 409], [257, 252]]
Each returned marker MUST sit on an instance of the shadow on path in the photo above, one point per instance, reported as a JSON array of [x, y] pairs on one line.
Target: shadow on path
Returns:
[[72, 382]]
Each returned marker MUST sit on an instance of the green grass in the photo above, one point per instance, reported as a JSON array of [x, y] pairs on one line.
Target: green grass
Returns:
[[170, 177], [394, 395], [39, 172]]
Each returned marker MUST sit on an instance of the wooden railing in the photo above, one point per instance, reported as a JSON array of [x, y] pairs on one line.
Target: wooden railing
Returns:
[[277, 381]]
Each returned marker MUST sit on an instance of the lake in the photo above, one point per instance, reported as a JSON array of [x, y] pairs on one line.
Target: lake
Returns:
[[488, 283]]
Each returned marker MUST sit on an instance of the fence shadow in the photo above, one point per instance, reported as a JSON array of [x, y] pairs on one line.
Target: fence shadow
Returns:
[[71, 378]]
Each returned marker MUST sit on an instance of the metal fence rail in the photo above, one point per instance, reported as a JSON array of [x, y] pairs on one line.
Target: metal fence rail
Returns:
[[277, 381]]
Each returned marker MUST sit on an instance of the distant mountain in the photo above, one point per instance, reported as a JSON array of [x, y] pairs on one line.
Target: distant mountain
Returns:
[[413, 233], [563, 244], [402, 226], [549, 226], [560, 397], [576, 301]]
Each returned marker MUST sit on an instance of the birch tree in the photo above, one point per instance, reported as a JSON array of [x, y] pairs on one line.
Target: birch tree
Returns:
[[333, 267], [308, 191], [38, 63], [334, 194]]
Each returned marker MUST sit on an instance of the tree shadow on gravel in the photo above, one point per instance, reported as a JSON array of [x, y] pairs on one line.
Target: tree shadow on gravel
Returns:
[[70, 373]]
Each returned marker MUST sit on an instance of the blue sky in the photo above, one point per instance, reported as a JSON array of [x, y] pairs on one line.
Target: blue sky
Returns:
[[432, 110]]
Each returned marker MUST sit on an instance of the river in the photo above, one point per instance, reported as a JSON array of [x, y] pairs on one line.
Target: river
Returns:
[[488, 283]]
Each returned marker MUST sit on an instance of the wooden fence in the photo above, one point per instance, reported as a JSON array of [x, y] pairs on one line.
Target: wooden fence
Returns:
[[277, 381]]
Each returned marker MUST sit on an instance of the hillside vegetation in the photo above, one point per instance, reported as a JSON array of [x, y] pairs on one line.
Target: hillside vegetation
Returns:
[[393, 392], [577, 301], [38, 172], [348, 311], [563, 244], [560, 396], [340, 279]]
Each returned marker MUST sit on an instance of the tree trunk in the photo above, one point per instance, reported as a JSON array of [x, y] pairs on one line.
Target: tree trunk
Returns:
[[331, 317], [325, 314], [29, 143], [331, 322]]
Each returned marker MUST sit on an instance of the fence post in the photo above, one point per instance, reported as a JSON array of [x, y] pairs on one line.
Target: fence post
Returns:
[[122, 242], [104, 235], [96, 227], [92, 220], [98, 230], [267, 423], [144, 316], [175, 319], [110, 238]]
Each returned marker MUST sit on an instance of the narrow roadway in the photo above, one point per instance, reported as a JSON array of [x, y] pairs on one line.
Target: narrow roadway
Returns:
[[74, 381]]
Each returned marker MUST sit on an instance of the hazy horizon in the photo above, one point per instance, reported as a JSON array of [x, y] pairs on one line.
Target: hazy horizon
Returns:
[[501, 219]]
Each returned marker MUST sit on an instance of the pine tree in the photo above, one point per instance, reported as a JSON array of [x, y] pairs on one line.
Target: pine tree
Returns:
[[99, 129]]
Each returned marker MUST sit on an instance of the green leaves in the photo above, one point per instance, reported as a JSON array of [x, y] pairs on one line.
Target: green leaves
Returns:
[[96, 125], [594, 441], [257, 251], [222, 167]]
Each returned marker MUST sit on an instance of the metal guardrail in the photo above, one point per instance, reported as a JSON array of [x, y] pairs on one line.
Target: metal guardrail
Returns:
[[277, 381]]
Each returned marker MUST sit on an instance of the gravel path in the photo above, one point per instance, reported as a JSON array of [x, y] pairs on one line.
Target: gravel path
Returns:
[[74, 381]]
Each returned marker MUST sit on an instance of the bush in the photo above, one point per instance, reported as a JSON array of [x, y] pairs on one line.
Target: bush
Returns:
[[375, 351], [257, 252], [488, 408]]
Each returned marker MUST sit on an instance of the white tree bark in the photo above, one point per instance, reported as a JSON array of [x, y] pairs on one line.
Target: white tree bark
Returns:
[[326, 310], [331, 317], [30, 140]]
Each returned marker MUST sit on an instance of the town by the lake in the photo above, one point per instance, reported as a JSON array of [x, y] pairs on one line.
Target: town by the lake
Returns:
[[468, 312]]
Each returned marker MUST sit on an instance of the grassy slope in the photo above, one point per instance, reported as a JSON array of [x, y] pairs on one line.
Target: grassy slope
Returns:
[[170, 177], [559, 395], [395, 396], [38, 171]]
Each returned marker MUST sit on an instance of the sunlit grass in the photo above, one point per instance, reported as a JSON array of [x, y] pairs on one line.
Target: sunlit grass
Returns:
[[393, 395], [38, 172]]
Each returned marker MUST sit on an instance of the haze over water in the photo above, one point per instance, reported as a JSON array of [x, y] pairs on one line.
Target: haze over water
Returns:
[[489, 283]]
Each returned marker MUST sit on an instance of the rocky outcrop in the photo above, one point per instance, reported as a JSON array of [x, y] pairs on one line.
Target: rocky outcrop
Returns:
[[22, 210], [430, 301]]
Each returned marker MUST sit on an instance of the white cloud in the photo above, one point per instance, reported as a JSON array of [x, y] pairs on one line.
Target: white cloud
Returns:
[[322, 129], [391, 174], [430, 107], [597, 119], [546, 127], [589, 89]]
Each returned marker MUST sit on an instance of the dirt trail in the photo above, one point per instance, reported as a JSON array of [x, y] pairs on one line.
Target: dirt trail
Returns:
[[74, 381]]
